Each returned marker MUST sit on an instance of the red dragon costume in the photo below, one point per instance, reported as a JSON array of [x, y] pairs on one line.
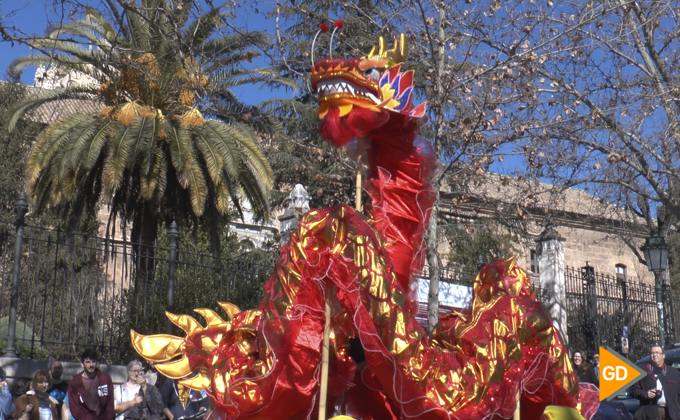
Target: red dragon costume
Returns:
[[265, 363]]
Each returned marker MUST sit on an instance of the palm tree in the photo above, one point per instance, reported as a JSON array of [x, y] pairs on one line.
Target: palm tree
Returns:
[[172, 141]]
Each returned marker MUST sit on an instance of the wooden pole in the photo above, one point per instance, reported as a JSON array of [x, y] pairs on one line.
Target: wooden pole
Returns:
[[357, 206], [515, 416], [325, 354]]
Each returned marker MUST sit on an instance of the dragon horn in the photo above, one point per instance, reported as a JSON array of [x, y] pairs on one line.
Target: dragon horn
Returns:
[[199, 382], [177, 369], [157, 348], [229, 308], [188, 324], [210, 316], [399, 53]]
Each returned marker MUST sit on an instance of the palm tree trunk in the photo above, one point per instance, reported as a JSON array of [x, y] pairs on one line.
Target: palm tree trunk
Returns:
[[143, 236]]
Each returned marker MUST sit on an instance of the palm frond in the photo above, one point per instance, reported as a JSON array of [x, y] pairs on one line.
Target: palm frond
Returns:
[[139, 138], [150, 155], [249, 151], [201, 29], [92, 152], [149, 179], [69, 53], [213, 151], [116, 159], [19, 110], [181, 147], [162, 174], [197, 188], [94, 33], [49, 142], [139, 29], [67, 157], [230, 44], [222, 198]]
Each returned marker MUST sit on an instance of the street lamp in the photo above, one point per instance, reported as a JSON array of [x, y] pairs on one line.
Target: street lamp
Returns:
[[656, 255]]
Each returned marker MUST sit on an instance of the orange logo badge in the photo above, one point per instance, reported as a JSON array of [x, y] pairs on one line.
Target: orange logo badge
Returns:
[[616, 373]]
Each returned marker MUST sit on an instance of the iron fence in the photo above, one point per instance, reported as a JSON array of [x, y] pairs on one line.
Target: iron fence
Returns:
[[74, 291], [61, 292], [601, 309]]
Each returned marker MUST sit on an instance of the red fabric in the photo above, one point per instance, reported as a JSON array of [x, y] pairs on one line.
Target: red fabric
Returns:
[[292, 312], [398, 180]]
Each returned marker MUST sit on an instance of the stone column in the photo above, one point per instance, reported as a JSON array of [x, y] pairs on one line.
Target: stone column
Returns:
[[550, 251]]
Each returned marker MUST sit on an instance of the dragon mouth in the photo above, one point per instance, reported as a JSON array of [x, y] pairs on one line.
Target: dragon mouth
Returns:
[[337, 88], [342, 91]]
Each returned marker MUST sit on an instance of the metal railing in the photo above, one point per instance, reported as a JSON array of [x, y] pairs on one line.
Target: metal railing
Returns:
[[600, 306], [63, 292]]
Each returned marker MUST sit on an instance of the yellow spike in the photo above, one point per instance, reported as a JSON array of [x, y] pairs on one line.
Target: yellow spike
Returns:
[[399, 53], [381, 42], [157, 348], [510, 264], [371, 53], [199, 382], [188, 324], [229, 308], [210, 316], [177, 369], [345, 109]]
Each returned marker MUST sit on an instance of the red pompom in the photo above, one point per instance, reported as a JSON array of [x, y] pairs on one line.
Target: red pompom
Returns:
[[323, 27], [339, 24]]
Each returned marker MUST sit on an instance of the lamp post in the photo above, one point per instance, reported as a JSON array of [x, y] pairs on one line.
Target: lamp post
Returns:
[[656, 254]]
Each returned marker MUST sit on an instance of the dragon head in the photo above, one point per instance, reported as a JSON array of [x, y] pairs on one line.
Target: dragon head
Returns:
[[374, 82]]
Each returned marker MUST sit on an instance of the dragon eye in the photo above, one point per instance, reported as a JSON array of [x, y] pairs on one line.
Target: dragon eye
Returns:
[[372, 75]]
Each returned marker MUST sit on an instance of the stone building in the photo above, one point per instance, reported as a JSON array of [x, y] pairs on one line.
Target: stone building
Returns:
[[596, 232]]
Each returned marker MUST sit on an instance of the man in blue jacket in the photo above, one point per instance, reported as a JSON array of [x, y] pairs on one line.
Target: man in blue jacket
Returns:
[[6, 403]]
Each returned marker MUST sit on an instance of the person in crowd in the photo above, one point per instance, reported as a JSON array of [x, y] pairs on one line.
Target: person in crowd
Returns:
[[90, 392], [20, 387], [136, 399], [658, 390], [65, 412], [197, 402], [58, 387], [583, 369], [6, 402], [596, 365], [37, 404]]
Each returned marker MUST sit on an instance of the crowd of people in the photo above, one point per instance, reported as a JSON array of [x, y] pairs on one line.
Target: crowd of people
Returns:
[[91, 395], [147, 395]]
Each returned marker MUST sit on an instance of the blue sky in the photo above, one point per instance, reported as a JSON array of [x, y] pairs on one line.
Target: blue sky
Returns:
[[31, 17]]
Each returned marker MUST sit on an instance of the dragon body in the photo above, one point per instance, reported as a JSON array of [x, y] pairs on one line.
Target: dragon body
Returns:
[[265, 363]]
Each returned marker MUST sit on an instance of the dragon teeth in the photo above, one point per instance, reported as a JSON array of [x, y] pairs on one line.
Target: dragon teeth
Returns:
[[373, 98], [335, 86]]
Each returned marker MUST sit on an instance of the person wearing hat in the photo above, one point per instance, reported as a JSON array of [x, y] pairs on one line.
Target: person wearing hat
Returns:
[[6, 403]]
